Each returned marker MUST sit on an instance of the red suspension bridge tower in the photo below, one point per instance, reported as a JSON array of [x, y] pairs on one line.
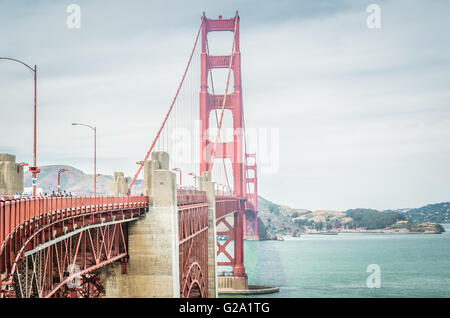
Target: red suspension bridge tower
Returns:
[[232, 150]]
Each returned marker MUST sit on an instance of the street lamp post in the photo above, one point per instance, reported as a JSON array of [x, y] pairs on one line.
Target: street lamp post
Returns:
[[195, 177], [95, 153], [179, 170], [34, 170], [59, 178]]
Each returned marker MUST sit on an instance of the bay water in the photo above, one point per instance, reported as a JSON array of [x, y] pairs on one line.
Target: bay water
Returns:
[[411, 265]]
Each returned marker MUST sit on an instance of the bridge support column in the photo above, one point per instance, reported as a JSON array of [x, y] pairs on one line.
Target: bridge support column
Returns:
[[160, 160], [239, 280], [119, 186], [153, 267], [11, 175], [115, 284], [208, 186], [238, 268]]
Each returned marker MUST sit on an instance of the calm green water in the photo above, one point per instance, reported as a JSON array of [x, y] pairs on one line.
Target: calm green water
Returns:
[[412, 265]]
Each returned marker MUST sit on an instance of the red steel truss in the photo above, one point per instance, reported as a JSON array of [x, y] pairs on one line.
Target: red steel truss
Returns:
[[54, 247], [193, 243], [230, 206], [41, 237]]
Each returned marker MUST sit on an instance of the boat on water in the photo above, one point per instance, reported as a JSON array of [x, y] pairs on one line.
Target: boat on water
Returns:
[[323, 233], [326, 232]]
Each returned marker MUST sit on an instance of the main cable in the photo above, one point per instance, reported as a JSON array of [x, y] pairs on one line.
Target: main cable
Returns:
[[170, 109]]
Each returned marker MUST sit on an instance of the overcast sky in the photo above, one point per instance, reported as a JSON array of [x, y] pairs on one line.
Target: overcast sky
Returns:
[[363, 114]]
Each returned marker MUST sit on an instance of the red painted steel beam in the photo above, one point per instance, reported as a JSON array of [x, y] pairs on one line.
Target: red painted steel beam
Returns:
[[193, 243]]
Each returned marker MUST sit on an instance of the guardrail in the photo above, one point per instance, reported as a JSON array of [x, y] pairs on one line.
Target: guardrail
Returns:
[[226, 205], [188, 196]]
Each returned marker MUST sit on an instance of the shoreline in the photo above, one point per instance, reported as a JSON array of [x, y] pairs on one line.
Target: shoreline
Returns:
[[371, 232], [281, 237]]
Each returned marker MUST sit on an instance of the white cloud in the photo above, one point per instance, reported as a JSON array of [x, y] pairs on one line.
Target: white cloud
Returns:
[[363, 114]]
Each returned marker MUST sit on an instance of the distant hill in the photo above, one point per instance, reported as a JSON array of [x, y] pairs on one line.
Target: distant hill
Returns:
[[276, 218], [74, 180], [281, 219], [374, 219], [439, 212]]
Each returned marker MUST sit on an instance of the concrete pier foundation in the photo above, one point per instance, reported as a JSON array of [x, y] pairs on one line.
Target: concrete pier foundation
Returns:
[[208, 186], [233, 283], [119, 186], [153, 265], [115, 284], [11, 175]]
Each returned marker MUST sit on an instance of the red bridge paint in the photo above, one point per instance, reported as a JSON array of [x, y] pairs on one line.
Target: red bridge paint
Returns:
[[231, 150]]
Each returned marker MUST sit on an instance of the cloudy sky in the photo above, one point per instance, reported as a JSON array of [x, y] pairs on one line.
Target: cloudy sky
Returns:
[[363, 115]]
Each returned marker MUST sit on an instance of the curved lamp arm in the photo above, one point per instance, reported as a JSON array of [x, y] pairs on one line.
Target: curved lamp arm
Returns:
[[86, 125], [25, 64]]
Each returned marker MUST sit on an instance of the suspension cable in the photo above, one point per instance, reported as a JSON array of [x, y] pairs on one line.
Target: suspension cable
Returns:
[[170, 109]]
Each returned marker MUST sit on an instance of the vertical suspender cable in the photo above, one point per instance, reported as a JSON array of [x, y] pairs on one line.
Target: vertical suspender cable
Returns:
[[170, 109]]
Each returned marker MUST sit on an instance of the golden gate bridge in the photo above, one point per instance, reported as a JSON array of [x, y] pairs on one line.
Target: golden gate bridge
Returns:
[[112, 240]]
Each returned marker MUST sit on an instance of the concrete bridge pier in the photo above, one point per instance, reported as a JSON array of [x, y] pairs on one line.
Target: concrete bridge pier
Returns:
[[115, 284], [208, 186], [153, 265], [119, 186], [11, 175]]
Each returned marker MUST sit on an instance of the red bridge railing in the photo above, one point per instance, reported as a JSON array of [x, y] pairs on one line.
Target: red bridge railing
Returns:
[[226, 205], [14, 213], [185, 196]]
